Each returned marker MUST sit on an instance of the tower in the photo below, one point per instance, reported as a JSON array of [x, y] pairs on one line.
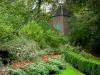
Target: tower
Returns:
[[59, 20]]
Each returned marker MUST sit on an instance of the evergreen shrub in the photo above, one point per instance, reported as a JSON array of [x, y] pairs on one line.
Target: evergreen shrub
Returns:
[[83, 64]]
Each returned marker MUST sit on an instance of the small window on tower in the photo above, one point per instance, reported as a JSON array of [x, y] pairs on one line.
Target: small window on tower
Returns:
[[58, 27]]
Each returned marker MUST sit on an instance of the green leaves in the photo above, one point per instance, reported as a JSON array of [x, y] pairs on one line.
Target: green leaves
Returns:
[[82, 30], [12, 14], [85, 65], [32, 31], [6, 33]]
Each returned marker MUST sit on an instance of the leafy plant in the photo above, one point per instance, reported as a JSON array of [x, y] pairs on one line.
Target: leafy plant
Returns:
[[6, 33], [88, 65], [23, 48], [37, 68], [57, 62], [33, 31], [54, 39], [53, 69], [82, 29], [17, 72]]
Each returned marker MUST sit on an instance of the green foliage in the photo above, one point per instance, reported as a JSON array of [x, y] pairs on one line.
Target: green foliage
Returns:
[[42, 20], [41, 68], [33, 31], [51, 37], [1, 63], [86, 65], [68, 47], [86, 54], [12, 14], [82, 30], [23, 48], [54, 39], [17, 72], [36, 69], [87, 30], [57, 62], [6, 33], [52, 68]]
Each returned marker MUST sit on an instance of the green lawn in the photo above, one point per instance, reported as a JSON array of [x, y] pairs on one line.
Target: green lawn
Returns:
[[70, 71]]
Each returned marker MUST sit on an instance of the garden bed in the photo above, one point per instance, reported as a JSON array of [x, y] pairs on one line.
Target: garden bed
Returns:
[[42, 65]]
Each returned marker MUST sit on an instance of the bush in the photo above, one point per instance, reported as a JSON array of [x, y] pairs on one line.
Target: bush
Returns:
[[57, 62], [68, 47], [1, 63], [33, 31], [82, 29], [37, 68], [12, 14], [84, 64], [17, 72], [53, 69], [53, 39], [41, 68], [23, 48], [6, 33]]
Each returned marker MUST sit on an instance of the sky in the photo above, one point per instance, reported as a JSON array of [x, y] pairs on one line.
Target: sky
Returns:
[[46, 7]]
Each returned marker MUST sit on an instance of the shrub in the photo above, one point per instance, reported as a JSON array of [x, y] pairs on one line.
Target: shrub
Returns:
[[57, 62], [81, 32], [41, 68], [23, 48], [53, 69], [53, 39], [33, 31], [6, 33], [17, 72], [37, 68], [1, 63], [84, 64], [68, 47]]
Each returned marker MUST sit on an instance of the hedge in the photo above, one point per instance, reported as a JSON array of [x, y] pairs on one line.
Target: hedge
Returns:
[[82, 63]]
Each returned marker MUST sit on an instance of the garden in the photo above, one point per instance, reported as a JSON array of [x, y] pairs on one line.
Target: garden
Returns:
[[30, 45]]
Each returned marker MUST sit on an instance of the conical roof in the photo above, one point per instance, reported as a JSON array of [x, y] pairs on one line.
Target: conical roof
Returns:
[[61, 11]]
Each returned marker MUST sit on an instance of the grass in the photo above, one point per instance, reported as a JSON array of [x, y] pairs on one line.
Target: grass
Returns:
[[70, 71]]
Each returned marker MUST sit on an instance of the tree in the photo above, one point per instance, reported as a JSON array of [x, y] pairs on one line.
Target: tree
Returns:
[[91, 6]]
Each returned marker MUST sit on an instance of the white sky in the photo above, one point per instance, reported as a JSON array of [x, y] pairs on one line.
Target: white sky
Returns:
[[46, 7]]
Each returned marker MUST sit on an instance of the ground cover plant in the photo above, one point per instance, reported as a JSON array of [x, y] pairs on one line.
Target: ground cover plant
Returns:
[[42, 65]]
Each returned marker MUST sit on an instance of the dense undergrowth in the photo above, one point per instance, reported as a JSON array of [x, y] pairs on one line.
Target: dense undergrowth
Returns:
[[42, 65]]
